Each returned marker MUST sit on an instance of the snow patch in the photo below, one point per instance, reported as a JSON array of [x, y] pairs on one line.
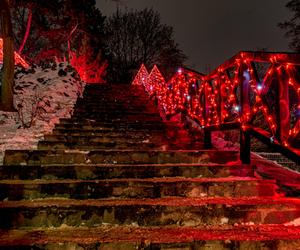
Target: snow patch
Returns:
[[221, 143], [43, 95], [224, 220], [295, 222]]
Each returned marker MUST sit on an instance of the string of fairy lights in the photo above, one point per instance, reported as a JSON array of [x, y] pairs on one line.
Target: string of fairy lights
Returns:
[[224, 95], [18, 59]]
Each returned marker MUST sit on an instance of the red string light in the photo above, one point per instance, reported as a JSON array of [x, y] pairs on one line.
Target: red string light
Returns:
[[18, 59], [141, 77], [223, 96]]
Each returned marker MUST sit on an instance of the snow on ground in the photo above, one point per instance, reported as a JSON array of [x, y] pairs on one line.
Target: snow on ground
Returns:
[[225, 140], [42, 96], [221, 140]]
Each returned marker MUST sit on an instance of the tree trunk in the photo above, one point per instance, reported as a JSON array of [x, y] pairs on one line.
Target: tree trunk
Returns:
[[8, 58]]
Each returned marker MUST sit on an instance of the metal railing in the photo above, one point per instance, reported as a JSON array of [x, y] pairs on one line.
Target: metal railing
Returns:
[[257, 92]]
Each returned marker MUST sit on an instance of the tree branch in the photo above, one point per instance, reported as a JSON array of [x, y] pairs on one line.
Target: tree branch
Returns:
[[29, 20]]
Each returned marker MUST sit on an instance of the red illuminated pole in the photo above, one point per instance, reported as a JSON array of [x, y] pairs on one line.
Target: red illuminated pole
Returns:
[[8, 58], [283, 111], [207, 131], [221, 105], [216, 100], [245, 141]]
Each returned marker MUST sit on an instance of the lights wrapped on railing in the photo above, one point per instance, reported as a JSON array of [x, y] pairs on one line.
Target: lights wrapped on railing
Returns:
[[141, 77], [235, 94], [18, 59]]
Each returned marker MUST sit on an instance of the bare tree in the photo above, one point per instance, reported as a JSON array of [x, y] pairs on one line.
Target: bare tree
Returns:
[[136, 37], [44, 30], [292, 26]]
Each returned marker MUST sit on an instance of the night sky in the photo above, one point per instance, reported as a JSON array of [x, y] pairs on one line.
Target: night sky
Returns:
[[211, 31]]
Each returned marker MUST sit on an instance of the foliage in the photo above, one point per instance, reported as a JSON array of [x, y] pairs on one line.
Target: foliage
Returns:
[[55, 24], [292, 26], [136, 37], [59, 31], [75, 31]]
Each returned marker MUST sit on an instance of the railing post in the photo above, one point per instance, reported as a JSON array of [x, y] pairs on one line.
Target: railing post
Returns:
[[207, 138], [245, 140], [245, 145], [282, 103], [207, 132]]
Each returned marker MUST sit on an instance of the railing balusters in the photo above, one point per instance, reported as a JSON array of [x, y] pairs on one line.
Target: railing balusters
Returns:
[[283, 114], [219, 106]]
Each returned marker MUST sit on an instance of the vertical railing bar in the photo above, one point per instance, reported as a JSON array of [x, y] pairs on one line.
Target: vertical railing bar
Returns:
[[245, 141], [245, 60], [283, 111]]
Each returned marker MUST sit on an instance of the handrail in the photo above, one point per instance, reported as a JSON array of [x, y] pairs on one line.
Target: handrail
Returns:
[[235, 94]]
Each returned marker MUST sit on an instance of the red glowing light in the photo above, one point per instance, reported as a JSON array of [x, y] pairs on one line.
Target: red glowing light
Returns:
[[18, 59], [141, 77], [223, 96], [89, 72]]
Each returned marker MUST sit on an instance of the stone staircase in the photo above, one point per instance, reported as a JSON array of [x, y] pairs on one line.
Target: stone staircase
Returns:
[[115, 176]]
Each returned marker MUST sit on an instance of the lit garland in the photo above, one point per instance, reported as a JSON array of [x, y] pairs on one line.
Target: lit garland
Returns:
[[293, 74], [141, 77], [223, 96], [261, 90], [155, 84], [18, 59]]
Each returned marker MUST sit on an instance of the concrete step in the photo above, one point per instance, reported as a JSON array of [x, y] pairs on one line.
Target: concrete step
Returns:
[[107, 111], [113, 144], [108, 132], [279, 159], [136, 188], [117, 91], [117, 94], [142, 126], [239, 237], [118, 146], [94, 122], [121, 124], [120, 97], [90, 143], [105, 106], [117, 109], [109, 171], [121, 137], [102, 138], [133, 129], [105, 133], [38, 157], [104, 97], [121, 118], [114, 103], [70, 123], [179, 212]]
